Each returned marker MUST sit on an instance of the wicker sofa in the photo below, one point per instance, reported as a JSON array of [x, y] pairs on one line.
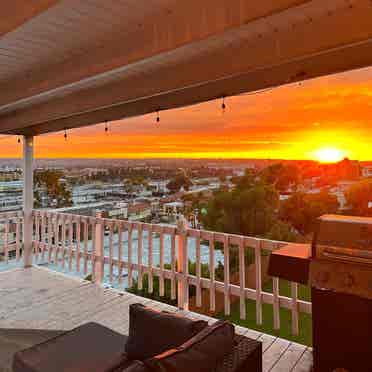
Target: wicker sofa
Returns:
[[153, 344]]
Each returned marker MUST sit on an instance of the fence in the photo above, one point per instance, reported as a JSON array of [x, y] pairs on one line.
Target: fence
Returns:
[[11, 228], [93, 246]]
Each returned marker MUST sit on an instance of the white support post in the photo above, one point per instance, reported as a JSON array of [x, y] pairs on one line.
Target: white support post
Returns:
[[28, 198], [182, 264], [98, 249]]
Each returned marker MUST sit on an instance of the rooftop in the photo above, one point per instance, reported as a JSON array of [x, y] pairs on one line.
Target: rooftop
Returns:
[[38, 298]]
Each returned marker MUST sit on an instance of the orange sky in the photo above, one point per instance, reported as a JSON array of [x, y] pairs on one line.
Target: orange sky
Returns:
[[290, 122]]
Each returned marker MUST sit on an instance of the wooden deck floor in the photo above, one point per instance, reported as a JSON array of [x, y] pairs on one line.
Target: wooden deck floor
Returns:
[[40, 298]]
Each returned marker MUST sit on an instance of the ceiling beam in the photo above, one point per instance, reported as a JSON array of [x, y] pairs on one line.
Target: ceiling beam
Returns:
[[184, 23], [239, 53], [14, 13], [339, 60]]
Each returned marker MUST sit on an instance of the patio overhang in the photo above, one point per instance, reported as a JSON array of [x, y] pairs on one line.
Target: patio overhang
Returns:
[[80, 64]]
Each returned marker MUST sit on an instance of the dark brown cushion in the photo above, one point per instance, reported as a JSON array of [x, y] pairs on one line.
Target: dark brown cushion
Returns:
[[152, 332], [202, 353], [89, 348]]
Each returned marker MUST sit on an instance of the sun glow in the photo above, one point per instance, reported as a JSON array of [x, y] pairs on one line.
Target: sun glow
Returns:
[[329, 155]]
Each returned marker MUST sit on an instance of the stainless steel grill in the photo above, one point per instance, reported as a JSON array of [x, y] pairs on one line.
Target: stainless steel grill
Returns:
[[342, 255], [341, 280]]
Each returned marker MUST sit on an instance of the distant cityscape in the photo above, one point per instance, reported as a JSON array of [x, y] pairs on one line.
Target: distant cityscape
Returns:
[[129, 189], [160, 191], [147, 191]]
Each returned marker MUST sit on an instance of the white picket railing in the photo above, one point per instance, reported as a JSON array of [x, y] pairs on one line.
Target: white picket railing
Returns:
[[85, 245], [11, 224]]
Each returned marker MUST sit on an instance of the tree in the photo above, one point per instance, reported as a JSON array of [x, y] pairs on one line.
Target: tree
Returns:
[[248, 211], [134, 183], [179, 181], [301, 210], [282, 231], [58, 194], [359, 196], [281, 175], [222, 178], [246, 181]]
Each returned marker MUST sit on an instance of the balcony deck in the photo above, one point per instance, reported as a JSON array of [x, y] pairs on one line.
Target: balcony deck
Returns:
[[41, 298]]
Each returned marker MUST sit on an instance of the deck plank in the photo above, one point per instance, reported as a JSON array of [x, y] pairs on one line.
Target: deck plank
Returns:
[[273, 353], [41, 298], [65, 315], [44, 310], [254, 335], [305, 363], [289, 358], [29, 291], [267, 341]]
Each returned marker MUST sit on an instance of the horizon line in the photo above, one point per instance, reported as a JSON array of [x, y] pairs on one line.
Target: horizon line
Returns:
[[177, 158]]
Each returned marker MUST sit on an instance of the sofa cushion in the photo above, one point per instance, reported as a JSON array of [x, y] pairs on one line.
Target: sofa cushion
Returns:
[[152, 332], [245, 356], [89, 348], [202, 353], [13, 340]]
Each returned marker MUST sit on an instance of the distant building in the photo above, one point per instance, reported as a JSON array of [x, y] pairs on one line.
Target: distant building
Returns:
[[173, 208], [117, 210], [120, 210], [341, 199], [347, 169], [94, 171], [11, 186], [160, 186], [367, 171], [139, 211], [11, 196]]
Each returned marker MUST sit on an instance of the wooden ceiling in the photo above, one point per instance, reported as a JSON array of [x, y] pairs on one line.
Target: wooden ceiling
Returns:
[[68, 63]]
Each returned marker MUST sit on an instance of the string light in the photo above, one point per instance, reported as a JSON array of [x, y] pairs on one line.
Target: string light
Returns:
[[223, 105], [106, 126], [157, 116], [19, 139], [65, 135]]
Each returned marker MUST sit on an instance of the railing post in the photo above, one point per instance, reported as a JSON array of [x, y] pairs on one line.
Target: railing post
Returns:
[[98, 250], [28, 198], [182, 264]]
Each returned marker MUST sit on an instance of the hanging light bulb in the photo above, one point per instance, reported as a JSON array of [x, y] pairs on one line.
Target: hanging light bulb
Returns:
[[157, 116], [19, 139], [65, 135], [223, 104], [106, 126]]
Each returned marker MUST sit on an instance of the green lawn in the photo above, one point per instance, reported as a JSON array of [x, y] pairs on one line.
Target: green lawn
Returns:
[[304, 337], [250, 322]]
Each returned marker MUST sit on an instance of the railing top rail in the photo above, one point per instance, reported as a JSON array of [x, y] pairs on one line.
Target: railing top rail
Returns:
[[10, 215]]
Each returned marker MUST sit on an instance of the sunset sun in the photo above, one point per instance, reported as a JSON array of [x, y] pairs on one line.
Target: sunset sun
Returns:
[[329, 155]]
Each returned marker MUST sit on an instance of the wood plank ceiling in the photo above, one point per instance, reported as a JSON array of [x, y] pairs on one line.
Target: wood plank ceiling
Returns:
[[68, 63]]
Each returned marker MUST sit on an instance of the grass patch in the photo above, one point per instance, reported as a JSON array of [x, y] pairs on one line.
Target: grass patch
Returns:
[[305, 322]]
